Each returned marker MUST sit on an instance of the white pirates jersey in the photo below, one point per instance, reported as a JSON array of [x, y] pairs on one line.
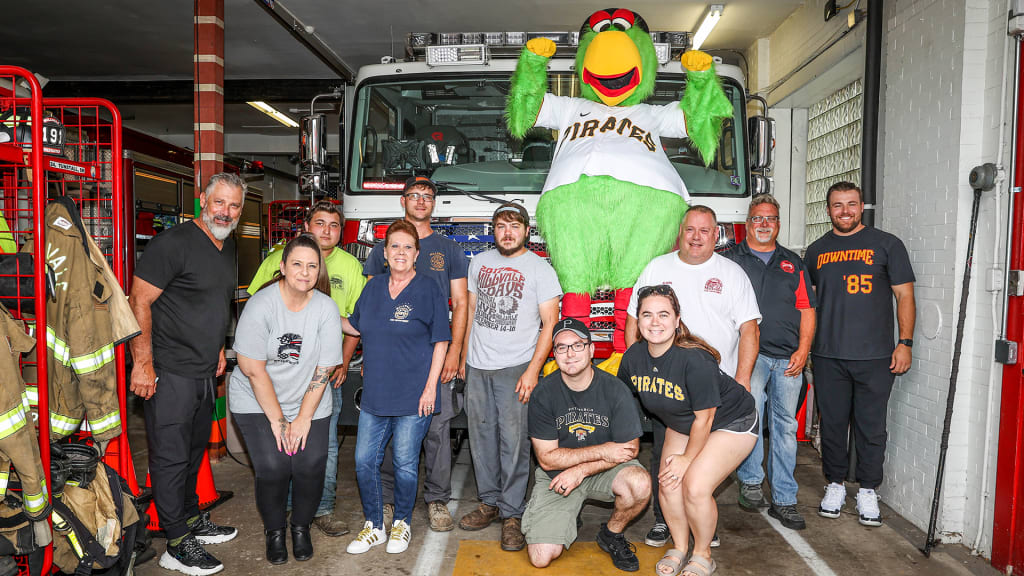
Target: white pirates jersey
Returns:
[[623, 142]]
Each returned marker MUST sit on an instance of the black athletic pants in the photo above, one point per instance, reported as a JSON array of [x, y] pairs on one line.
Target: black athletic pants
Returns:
[[275, 470], [858, 389], [178, 420]]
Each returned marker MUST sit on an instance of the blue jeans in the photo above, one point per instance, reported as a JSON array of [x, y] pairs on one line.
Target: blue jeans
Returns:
[[768, 381], [406, 434], [331, 477]]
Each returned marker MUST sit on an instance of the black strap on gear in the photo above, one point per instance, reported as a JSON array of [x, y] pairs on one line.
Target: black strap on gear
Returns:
[[93, 552]]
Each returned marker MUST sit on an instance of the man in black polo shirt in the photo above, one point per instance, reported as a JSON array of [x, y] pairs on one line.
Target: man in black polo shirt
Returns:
[[181, 296], [856, 271], [787, 329]]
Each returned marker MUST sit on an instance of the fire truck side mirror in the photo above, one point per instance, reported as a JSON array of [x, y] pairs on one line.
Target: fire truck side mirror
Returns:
[[760, 184], [761, 130]]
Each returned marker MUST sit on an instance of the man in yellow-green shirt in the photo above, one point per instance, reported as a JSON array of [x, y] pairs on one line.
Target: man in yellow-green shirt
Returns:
[[346, 273]]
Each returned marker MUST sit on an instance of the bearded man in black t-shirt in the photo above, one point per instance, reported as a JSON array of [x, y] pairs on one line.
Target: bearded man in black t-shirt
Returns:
[[181, 296], [585, 428], [856, 271]]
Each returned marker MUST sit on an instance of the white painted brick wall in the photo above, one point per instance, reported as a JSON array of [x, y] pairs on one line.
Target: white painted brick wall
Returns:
[[943, 70], [943, 62]]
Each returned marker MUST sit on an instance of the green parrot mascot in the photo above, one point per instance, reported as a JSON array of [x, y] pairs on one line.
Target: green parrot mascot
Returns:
[[612, 200]]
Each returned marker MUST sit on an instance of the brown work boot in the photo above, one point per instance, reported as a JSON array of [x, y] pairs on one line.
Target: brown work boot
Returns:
[[480, 518], [389, 516], [331, 525], [440, 517], [512, 539]]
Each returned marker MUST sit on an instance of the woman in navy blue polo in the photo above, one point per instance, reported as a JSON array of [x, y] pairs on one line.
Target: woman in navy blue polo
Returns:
[[402, 318]]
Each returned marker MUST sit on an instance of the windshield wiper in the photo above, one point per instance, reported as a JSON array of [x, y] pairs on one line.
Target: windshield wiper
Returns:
[[472, 195]]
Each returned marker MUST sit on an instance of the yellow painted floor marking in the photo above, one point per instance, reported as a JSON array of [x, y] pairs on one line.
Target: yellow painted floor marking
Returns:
[[486, 558]]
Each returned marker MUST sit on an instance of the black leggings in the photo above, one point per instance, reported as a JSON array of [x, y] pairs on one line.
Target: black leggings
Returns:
[[276, 470]]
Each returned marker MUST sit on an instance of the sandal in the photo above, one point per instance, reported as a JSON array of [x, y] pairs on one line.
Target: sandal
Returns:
[[672, 559], [700, 566]]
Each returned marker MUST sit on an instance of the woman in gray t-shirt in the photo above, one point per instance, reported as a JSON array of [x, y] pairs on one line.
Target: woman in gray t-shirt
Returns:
[[288, 340]]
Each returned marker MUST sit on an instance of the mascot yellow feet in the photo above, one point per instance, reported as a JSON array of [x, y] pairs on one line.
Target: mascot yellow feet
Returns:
[[611, 365]]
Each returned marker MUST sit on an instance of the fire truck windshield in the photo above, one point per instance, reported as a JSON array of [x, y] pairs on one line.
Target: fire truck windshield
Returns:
[[451, 128]]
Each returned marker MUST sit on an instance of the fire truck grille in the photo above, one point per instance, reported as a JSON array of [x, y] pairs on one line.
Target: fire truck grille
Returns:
[[475, 238]]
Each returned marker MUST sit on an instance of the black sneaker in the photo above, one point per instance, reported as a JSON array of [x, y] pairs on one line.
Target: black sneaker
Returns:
[[189, 557], [623, 553], [788, 516], [752, 498], [658, 535], [209, 533]]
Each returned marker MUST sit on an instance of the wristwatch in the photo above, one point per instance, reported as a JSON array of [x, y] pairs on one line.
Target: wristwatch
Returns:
[[908, 342]]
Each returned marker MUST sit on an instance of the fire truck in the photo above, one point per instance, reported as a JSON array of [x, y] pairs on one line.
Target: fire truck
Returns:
[[439, 112]]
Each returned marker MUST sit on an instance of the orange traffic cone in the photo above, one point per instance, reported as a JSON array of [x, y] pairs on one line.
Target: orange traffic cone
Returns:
[[205, 488], [112, 458], [209, 496], [154, 522]]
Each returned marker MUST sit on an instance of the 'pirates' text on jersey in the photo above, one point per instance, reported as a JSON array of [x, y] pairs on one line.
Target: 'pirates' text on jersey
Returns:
[[623, 142]]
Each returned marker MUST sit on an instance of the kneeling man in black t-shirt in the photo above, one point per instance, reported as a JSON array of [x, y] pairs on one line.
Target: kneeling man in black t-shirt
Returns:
[[585, 428]]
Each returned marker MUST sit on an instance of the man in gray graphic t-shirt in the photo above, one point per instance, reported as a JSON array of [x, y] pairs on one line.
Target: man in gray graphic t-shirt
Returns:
[[513, 303]]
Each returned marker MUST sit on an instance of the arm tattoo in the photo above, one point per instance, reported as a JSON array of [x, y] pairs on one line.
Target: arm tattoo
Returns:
[[320, 379], [284, 424]]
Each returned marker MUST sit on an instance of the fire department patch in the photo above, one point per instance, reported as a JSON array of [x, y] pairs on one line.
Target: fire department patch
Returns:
[[713, 285], [787, 266], [437, 261], [402, 312]]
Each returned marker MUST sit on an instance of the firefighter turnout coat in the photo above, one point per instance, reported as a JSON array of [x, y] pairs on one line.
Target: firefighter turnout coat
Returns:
[[79, 332], [18, 441]]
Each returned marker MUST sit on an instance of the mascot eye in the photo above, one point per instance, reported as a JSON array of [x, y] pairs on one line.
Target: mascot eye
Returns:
[[623, 23], [601, 25]]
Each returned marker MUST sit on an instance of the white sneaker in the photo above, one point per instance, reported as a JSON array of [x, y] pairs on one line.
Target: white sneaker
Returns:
[[400, 536], [867, 508], [368, 538], [832, 503]]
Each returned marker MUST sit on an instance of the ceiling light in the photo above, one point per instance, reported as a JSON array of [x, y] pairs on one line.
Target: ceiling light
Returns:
[[713, 15], [274, 113]]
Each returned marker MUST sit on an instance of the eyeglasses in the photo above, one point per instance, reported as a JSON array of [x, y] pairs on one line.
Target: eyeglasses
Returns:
[[414, 196], [657, 289], [575, 347], [760, 219]]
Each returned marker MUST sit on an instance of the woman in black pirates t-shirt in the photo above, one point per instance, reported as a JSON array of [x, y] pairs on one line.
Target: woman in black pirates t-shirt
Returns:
[[711, 420]]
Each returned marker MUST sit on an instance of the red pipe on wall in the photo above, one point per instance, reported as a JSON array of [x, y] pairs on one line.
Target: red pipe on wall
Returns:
[[1008, 518]]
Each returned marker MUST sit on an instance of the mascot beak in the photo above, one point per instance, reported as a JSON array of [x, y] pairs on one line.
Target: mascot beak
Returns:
[[612, 66]]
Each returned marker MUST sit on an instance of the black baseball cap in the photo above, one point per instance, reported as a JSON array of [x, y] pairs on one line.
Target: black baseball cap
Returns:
[[420, 181], [514, 208], [575, 326]]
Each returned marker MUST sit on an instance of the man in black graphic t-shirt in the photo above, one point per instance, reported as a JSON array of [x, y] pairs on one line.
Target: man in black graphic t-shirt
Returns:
[[856, 272], [585, 428]]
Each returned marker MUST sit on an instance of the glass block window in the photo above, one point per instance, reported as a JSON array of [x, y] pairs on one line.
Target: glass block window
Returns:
[[833, 151]]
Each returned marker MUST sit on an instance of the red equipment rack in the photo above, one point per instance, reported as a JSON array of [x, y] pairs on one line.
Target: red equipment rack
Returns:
[[285, 218], [89, 171]]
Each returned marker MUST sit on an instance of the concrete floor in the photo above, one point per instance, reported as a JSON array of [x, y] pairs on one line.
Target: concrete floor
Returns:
[[751, 543]]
